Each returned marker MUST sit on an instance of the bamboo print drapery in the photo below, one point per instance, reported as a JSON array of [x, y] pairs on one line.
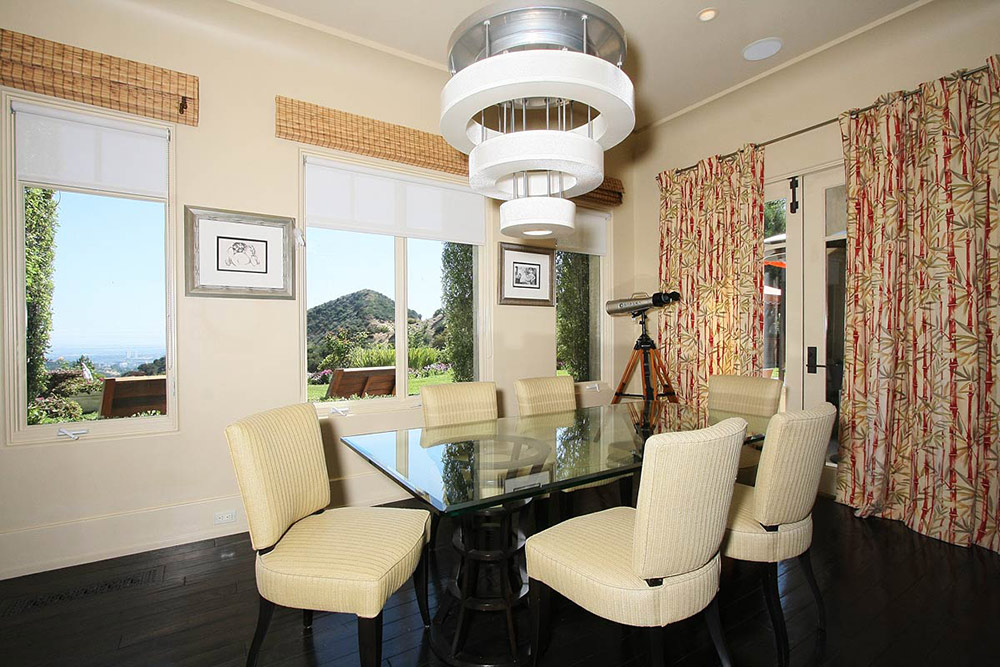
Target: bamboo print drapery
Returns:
[[712, 252], [920, 403]]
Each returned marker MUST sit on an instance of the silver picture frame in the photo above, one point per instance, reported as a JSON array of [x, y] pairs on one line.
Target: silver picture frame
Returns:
[[237, 254]]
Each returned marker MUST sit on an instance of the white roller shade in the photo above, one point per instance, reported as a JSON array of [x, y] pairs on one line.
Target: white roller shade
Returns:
[[62, 148], [340, 196], [591, 235]]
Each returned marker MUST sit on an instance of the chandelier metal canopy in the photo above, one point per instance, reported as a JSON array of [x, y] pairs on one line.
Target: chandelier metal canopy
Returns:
[[537, 95]]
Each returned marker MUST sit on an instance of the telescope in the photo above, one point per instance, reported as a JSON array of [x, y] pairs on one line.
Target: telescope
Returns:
[[640, 303]]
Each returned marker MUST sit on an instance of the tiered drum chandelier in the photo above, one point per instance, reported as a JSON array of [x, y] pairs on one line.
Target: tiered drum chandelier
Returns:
[[537, 95]]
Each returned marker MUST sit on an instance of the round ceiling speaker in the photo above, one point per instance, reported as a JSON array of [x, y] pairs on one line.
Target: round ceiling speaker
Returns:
[[537, 217], [535, 163]]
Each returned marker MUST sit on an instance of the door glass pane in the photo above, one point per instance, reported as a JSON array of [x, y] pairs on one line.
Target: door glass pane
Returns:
[[441, 320], [351, 316], [836, 293], [578, 315], [774, 288], [95, 293]]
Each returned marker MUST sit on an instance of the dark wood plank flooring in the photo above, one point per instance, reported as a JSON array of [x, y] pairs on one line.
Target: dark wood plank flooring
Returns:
[[892, 598]]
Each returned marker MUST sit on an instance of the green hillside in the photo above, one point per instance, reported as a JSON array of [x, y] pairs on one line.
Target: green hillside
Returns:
[[362, 311]]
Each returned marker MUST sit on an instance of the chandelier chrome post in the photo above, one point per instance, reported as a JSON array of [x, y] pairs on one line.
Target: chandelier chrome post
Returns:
[[513, 53]]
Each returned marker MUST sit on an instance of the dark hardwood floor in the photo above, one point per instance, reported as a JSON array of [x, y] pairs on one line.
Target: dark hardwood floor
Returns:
[[892, 598]]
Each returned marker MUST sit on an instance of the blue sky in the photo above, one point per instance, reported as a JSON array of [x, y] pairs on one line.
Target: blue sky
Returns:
[[339, 263], [109, 274]]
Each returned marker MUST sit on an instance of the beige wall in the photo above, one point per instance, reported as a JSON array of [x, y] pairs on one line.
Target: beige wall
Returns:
[[928, 42], [73, 502]]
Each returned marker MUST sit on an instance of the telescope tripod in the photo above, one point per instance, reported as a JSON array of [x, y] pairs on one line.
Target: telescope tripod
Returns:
[[655, 383]]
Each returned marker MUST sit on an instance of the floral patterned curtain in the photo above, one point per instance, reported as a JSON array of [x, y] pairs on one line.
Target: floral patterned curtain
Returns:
[[920, 404], [712, 252]]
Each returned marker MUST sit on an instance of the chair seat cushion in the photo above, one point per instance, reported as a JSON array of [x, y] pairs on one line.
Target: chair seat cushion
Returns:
[[346, 560], [588, 559], [746, 539]]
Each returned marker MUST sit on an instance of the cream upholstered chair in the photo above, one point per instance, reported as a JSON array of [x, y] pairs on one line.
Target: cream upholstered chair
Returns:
[[544, 395], [772, 521], [459, 403], [547, 395], [654, 564], [755, 399], [345, 560]]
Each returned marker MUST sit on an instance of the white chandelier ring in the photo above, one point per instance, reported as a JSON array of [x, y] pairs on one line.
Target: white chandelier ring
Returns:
[[538, 74], [551, 161], [538, 217]]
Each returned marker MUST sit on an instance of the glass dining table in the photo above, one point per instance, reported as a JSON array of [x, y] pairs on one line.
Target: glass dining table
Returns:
[[484, 474]]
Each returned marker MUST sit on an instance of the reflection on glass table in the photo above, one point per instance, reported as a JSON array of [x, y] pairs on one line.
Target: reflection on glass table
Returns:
[[466, 467]]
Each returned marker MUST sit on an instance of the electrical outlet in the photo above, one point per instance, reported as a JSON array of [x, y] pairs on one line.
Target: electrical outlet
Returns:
[[229, 516]]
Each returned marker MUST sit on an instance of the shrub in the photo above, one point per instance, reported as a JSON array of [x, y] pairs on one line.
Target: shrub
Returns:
[[321, 377], [381, 354], [421, 357], [80, 386], [51, 409]]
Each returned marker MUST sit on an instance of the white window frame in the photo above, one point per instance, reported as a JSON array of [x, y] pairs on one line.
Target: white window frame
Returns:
[[13, 409], [481, 300], [606, 364]]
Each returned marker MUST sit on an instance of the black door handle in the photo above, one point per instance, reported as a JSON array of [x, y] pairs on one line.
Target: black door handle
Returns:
[[811, 364]]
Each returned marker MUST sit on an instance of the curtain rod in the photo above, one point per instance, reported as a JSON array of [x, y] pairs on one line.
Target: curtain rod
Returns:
[[962, 74]]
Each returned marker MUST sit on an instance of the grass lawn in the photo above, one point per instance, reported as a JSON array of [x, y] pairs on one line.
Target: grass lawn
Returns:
[[316, 392]]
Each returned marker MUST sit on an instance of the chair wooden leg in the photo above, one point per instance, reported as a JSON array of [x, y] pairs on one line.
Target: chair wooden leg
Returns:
[[307, 619], [263, 620], [657, 657], [435, 522], [625, 486], [711, 613], [420, 585], [773, 599], [539, 602], [370, 640], [807, 569]]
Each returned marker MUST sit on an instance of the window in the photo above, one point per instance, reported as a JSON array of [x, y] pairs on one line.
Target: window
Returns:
[[579, 298], [774, 288], [373, 327], [91, 270]]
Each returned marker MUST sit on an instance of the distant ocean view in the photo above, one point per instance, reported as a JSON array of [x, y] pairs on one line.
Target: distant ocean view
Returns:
[[106, 357]]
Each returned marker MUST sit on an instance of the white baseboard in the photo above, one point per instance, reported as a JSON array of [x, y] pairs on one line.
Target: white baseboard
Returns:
[[42, 548]]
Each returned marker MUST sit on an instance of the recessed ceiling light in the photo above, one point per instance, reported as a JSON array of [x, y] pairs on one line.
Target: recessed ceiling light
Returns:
[[708, 14], [762, 48]]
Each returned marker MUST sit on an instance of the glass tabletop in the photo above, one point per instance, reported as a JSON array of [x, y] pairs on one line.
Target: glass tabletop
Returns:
[[470, 466]]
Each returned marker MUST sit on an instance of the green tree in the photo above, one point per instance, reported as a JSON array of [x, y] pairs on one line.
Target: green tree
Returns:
[[459, 319], [774, 218], [40, 223], [573, 314], [155, 367], [335, 349]]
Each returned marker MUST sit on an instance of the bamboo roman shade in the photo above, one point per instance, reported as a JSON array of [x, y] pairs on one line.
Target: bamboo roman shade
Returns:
[[50, 68], [331, 128]]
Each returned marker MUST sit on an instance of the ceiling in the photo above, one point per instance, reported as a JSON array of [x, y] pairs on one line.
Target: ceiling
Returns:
[[674, 59]]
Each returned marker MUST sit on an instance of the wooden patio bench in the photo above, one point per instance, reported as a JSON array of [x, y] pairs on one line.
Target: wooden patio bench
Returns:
[[127, 396], [370, 381]]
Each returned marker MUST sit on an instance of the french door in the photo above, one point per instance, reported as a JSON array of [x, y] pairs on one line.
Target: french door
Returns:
[[804, 290]]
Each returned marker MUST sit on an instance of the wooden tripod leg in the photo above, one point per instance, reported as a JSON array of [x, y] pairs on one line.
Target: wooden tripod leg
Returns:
[[626, 376], [661, 375]]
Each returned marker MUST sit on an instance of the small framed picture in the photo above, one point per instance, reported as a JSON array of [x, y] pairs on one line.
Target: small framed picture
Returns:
[[527, 275], [228, 253]]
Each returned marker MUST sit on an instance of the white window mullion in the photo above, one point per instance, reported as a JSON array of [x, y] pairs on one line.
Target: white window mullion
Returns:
[[402, 340]]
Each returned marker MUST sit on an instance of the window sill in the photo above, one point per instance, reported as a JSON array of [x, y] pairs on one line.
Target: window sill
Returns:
[[344, 409], [116, 429]]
